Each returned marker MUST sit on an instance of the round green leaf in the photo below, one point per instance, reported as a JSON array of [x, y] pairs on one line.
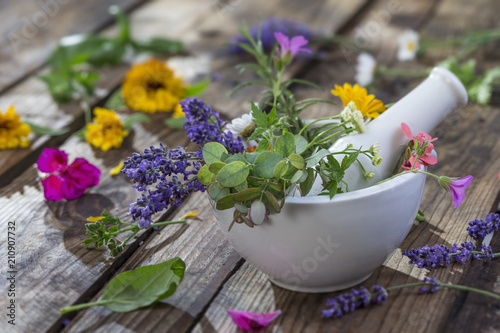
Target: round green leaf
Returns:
[[248, 194], [265, 163], [205, 176], [217, 193], [273, 202], [285, 144], [280, 169], [300, 144], [297, 176], [212, 152], [233, 174], [257, 212], [225, 202], [297, 161], [216, 166]]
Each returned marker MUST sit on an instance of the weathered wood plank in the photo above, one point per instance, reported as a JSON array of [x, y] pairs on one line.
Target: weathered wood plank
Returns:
[[187, 306], [31, 30], [474, 130]]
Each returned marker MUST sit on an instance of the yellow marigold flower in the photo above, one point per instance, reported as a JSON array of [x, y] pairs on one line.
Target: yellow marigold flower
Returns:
[[106, 131], [13, 132], [367, 104], [152, 87], [178, 113]]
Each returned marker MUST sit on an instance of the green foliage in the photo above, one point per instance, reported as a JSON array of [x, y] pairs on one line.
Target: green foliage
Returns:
[[135, 119], [67, 77], [140, 287]]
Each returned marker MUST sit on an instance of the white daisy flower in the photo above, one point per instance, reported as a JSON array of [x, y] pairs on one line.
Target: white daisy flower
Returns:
[[365, 69], [408, 45], [242, 126]]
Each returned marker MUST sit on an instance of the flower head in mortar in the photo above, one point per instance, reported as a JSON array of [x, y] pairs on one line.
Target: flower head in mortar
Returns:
[[65, 181], [422, 147]]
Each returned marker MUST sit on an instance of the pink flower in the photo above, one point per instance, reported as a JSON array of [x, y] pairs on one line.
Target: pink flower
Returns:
[[252, 320], [421, 156], [293, 46], [65, 182], [457, 189]]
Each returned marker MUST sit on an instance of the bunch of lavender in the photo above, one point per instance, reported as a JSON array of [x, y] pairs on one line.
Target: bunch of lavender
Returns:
[[440, 255], [348, 302], [267, 29], [478, 229], [173, 172]]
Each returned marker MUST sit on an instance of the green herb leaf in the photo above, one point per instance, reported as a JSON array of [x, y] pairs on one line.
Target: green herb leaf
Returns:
[[285, 144], [265, 163], [300, 144], [233, 174], [248, 194], [216, 193], [115, 101], [272, 201], [307, 184], [225, 202], [212, 152], [216, 166], [315, 158], [257, 212], [280, 169], [140, 287], [197, 88], [297, 161], [135, 119], [295, 178], [158, 46], [175, 123], [122, 20], [205, 176], [41, 130]]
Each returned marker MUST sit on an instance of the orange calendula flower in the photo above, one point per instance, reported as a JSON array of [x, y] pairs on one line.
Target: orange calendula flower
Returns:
[[13, 132], [153, 87], [106, 131], [367, 104]]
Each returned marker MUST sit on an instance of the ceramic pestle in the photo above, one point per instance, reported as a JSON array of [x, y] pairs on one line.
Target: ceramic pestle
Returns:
[[422, 109]]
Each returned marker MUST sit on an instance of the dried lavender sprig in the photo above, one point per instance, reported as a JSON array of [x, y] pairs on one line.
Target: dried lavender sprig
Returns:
[[348, 302], [439, 255], [479, 228]]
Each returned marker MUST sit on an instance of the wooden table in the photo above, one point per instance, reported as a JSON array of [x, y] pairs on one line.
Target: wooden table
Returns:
[[54, 270]]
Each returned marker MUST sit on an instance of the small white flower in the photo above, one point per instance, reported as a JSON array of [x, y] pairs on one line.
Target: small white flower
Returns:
[[365, 69], [242, 126], [359, 121], [369, 175], [408, 45], [375, 149], [376, 160]]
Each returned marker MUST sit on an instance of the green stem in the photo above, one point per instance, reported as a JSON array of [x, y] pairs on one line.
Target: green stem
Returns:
[[383, 70], [446, 285], [134, 228], [317, 120], [82, 306], [157, 224], [129, 237]]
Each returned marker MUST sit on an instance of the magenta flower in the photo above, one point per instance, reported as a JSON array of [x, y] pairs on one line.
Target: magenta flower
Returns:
[[422, 156], [65, 181], [457, 189], [292, 46], [252, 320]]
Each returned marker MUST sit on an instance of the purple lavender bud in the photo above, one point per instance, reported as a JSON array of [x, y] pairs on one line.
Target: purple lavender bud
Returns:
[[348, 302], [439, 255], [478, 229], [433, 285]]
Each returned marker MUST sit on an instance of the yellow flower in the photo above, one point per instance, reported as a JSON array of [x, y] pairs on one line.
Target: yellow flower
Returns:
[[152, 87], [190, 216], [178, 113], [94, 218], [13, 132], [367, 104], [116, 170], [106, 131]]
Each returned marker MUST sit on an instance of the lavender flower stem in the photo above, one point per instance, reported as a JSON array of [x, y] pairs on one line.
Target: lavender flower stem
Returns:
[[157, 224], [447, 285]]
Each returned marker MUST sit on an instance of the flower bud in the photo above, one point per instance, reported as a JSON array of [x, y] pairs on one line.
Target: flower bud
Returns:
[[376, 160], [369, 175]]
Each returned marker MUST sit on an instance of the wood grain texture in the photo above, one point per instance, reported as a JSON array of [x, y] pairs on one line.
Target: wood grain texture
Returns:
[[31, 30]]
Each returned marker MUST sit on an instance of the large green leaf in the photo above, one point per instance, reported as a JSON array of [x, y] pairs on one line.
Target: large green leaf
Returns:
[[233, 174], [300, 144], [248, 194], [212, 152], [216, 193], [205, 176], [265, 163], [140, 287]]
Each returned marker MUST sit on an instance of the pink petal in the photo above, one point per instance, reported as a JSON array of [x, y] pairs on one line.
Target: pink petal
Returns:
[[52, 160], [79, 176], [296, 43], [52, 188], [283, 40], [406, 130], [428, 159], [252, 320]]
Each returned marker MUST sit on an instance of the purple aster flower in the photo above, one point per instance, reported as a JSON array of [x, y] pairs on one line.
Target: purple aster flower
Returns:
[[433, 285], [291, 46], [478, 229], [439, 255], [348, 302], [267, 29], [456, 187]]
